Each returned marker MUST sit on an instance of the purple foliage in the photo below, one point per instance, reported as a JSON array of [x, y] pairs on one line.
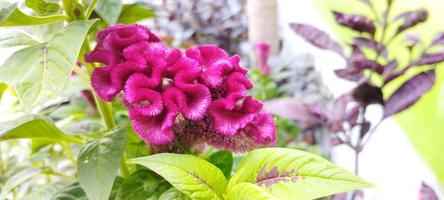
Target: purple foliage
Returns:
[[356, 22], [317, 37], [427, 193], [410, 92], [411, 19]]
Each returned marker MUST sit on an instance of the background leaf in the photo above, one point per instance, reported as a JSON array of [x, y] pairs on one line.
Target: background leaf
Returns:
[[16, 38], [141, 185], [109, 10], [34, 127], [98, 164], [42, 7], [40, 72], [132, 13], [288, 173], [191, 175], [10, 15], [16, 180], [223, 160], [317, 37], [47, 191]]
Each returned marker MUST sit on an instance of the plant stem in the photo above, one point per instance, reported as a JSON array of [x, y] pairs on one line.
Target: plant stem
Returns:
[[90, 8], [124, 166]]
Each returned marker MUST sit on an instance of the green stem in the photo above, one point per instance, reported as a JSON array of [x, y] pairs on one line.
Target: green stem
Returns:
[[124, 168], [90, 8]]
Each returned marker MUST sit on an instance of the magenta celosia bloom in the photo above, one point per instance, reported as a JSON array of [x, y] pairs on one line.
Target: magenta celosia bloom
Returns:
[[193, 97]]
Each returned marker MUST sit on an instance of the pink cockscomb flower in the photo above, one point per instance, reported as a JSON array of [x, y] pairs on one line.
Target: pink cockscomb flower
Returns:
[[190, 98]]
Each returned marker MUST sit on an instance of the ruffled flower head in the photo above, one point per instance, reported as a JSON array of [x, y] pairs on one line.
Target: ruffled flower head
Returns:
[[189, 98]]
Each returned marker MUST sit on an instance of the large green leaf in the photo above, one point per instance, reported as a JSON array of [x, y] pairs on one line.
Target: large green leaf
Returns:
[[249, 191], [109, 10], [141, 185], [223, 160], [289, 173], [42, 7], [98, 164], [191, 175], [16, 38], [132, 13], [16, 180], [40, 72], [34, 127], [10, 15]]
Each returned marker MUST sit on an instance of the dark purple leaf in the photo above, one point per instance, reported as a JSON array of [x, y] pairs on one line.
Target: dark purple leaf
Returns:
[[429, 59], [371, 44], [291, 109], [317, 37], [410, 92], [427, 193], [356, 22], [411, 19], [353, 115], [349, 73], [357, 60], [439, 39], [365, 127], [368, 94]]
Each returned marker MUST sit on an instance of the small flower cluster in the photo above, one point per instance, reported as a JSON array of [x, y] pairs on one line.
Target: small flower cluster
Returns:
[[199, 93]]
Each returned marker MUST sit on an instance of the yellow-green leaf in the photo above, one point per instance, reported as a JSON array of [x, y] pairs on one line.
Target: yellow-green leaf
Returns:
[[193, 176], [34, 127], [289, 173]]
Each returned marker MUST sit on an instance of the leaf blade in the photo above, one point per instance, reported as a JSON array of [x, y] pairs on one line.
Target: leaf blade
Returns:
[[34, 127], [40, 72], [409, 93], [199, 178], [98, 164], [286, 173], [10, 15]]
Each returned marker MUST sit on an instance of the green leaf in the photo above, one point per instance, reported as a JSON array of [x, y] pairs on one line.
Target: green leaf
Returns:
[[249, 191], [191, 175], [132, 13], [71, 192], [34, 127], [223, 160], [40, 72], [42, 7], [173, 193], [98, 164], [288, 173], [140, 185], [46, 191], [16, 180], [10, 15], [109, 10], [16, 38]]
